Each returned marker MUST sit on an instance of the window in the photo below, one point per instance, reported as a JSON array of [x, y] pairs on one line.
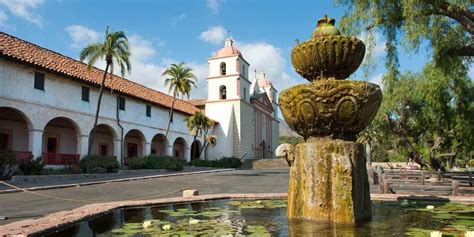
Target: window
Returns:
[[222, 93], [148, 110], [85, 93], [103, 150], [39, 81], [132, 150], [245, 93], [223, 69], [52, 144], [4, 141], [121, 103]]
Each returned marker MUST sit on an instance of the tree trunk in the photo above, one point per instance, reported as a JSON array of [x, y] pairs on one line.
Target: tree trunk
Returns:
[[171, 114], [101, 91]]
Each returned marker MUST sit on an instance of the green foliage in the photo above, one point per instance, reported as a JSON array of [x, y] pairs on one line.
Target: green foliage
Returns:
[[291, 140], [226, 162], [32, 167], [156, 162], [99, 164], [180, 80], [199, 125], [470, 163], [114, 48], [7, 158]]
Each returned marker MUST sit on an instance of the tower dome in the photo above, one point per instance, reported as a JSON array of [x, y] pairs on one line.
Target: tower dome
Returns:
[[229, 50], [263, 81]]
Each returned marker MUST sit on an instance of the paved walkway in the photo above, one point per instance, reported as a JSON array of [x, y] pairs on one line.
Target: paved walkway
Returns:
[[25, 205], [95, 178]]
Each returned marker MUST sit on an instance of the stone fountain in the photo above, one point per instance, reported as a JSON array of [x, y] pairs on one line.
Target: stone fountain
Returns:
[[328, 175]]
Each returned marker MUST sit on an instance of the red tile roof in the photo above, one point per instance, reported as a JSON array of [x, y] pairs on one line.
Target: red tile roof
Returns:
[[29, 53]]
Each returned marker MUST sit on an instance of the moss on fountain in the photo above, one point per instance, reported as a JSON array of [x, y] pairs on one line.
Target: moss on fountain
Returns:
[[328, 177]]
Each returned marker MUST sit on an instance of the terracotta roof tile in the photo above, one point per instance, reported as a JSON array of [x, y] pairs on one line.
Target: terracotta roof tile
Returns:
[[197, 102], [29, 53]]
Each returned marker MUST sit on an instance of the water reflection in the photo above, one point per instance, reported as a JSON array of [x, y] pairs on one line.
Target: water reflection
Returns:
[[389, 219]]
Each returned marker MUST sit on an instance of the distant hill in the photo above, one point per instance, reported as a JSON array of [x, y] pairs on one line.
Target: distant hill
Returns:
[[285, 130]]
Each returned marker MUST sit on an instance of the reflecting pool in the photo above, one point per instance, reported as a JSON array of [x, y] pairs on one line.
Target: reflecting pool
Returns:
[[268, 218]]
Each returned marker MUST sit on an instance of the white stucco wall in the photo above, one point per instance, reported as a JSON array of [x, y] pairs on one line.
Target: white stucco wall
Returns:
[[18, 134], [62, 98]]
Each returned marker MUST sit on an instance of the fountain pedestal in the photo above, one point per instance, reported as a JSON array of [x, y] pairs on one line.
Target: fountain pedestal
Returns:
[[328, 182]]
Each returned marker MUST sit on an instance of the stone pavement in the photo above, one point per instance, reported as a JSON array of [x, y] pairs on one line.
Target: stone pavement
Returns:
[[49, 180], [25, 205]]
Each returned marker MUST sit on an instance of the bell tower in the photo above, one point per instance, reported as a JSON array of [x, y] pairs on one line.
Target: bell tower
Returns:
[[228, 98]]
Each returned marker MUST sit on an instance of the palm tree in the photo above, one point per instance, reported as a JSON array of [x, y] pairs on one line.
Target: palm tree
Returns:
[[179, 82], [114, 49], [210, 140], [199, 124]]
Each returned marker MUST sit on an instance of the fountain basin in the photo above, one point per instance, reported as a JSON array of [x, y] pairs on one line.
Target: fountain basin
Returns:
[[331, 56], [338, 108]]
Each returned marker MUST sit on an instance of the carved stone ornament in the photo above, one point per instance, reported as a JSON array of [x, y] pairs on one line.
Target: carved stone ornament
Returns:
[[337, 108], [327, 55]]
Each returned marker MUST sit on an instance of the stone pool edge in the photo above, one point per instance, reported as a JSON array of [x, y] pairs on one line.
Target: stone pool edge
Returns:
[[65, 218]]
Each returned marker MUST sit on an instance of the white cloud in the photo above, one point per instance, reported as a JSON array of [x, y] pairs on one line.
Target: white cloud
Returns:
[[213, 5], [377, 79], [24, 9], [214, 35], [375, 41], [81, 35], [265, 57]]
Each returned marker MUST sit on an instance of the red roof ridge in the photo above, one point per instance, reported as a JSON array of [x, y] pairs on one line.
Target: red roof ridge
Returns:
[[119, 83]]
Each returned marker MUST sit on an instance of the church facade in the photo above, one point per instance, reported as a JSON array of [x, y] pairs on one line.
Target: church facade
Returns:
[[48, 102], [245, 108]]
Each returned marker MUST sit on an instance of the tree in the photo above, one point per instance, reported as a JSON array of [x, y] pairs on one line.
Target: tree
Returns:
[[199, 125], [180, 81], [429, 114], [114, 49], [423, 117]]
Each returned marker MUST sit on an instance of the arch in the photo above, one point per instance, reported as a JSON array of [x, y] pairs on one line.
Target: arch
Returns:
[[159, 144], [103, 144], [222, 93], [14, 126], [179, 148], [60, 141], [196, 150], [133, 142], [223, 69]]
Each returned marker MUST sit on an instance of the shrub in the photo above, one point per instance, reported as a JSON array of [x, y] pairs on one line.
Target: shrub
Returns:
[[155, 162], [99, 164], [225, 162], [32, 167], [7, 164], [136, 163], [470, 163]]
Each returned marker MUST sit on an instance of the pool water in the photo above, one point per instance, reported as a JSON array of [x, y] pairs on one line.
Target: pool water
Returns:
[[268, 218]]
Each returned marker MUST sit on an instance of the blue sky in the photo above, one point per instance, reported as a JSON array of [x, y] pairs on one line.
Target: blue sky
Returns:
[[161, 32]]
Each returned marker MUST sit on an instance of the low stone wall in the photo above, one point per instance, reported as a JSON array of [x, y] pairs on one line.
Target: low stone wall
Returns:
[[266, 164], [19, 179]]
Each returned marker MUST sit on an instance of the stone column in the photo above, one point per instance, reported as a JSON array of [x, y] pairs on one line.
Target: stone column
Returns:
[[118, 150], [187, 154], [82, 145], [146, 148], [35, 142], [169, 151], [328, 182]]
